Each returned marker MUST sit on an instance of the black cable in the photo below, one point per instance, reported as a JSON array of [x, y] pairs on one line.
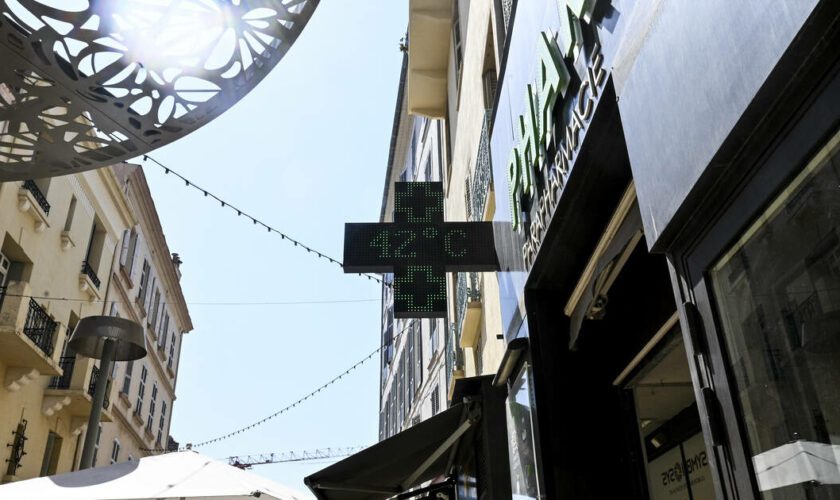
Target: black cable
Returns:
[[280, 303], [293, 405], [256, 222]]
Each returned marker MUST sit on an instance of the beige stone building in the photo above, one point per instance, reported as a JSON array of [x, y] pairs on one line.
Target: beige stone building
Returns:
[[145, 288], [64, 256], [441, 133], [452, 73]]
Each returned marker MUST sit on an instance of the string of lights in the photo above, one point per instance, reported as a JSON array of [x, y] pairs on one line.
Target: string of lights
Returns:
[[209, 303], [257, 222], [285, 409]]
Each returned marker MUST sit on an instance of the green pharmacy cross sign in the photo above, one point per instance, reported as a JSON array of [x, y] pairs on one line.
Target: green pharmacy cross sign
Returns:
[[419, 248]]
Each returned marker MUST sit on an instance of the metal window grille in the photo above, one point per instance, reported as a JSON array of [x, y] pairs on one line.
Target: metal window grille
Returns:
[[40, 327]]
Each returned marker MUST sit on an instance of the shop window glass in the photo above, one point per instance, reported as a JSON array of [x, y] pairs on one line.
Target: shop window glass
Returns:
[[521, 451], [778, 296], [675, 456]]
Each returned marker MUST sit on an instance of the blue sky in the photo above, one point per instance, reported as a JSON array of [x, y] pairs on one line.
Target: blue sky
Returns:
[[305, 151]]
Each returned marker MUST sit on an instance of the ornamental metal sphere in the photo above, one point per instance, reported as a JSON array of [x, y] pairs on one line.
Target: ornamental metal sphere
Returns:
[[89, 83]]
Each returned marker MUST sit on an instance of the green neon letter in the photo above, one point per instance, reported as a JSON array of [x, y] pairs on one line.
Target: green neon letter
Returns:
[[570, 35], [448, 246], [553, 82], [515, 186]]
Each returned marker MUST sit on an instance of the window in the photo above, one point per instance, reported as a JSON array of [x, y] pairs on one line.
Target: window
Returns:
[[71, 212], [433, 336], [456, 44], [96, 444], [148, 307], [410, 364], [777, 291], [96, 246], [126, 241], [129, 246], [521, 452], [144, 281], [162, 331], [115, 451], [127, 377], [152, 404], [170, 361], [161, 422], [401, 390], [418, 357], [154, 316], [141, 391], [52, 452], [435, 397]]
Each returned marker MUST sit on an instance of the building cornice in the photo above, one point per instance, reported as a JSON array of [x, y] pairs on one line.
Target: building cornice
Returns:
[[157, 242]]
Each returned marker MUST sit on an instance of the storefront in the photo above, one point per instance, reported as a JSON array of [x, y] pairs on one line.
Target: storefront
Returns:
[[452, 455], [671, 266]]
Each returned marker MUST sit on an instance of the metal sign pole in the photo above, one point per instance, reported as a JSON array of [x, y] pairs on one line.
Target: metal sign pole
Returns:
[[96, 407]]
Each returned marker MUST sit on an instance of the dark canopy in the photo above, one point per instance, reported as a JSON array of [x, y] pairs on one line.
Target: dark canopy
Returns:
[[398, 463]]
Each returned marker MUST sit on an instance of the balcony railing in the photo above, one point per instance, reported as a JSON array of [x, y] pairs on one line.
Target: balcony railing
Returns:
[[478, 186], [38, 195], [67, 363], [88, 271], [454, 353], [507, 11], [39, 327], [94, 377], [468, 289]]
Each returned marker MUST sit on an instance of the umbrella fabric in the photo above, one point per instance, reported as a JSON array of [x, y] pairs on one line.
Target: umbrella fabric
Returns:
[[797, 462], [187, 475]]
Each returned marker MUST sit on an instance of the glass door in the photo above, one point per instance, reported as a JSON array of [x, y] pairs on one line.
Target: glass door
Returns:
[[668, 422]]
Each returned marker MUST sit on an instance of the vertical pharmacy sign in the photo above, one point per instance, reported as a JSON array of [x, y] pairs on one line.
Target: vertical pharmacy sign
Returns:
[[540, 162]]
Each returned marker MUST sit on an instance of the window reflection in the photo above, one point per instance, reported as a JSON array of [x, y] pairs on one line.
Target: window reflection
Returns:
[[523, 465], [778, 294]]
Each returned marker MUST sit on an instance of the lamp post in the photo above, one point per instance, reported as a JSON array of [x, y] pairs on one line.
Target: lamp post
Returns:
[[108, 339]]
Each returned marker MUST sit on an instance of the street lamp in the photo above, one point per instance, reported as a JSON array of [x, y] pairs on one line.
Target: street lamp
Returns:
[[108, 339]]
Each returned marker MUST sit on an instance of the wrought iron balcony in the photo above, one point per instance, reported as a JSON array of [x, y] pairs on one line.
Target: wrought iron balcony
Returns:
[[478, 186], [454, 357], [468, 290], [67, 363], [94, 377], [468, 308], [40, 197], [39, 327], [88, 271]]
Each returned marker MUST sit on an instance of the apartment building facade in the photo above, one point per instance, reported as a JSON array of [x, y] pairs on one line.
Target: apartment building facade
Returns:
[[145, 287], [435, 394], [413, 378], [62, 249], [448, 143]]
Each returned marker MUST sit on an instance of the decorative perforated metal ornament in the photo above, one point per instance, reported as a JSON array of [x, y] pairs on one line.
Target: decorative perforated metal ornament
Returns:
[[88, 83]]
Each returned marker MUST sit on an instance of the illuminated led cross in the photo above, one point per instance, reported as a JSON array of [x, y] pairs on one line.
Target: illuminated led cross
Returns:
[[419, 248]]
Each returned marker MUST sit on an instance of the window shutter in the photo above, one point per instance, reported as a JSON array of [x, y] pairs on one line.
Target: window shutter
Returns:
[[124, 249], [132, 249], [418, 358]]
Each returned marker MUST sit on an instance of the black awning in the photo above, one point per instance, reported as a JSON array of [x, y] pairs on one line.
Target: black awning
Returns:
[[398, 463]]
